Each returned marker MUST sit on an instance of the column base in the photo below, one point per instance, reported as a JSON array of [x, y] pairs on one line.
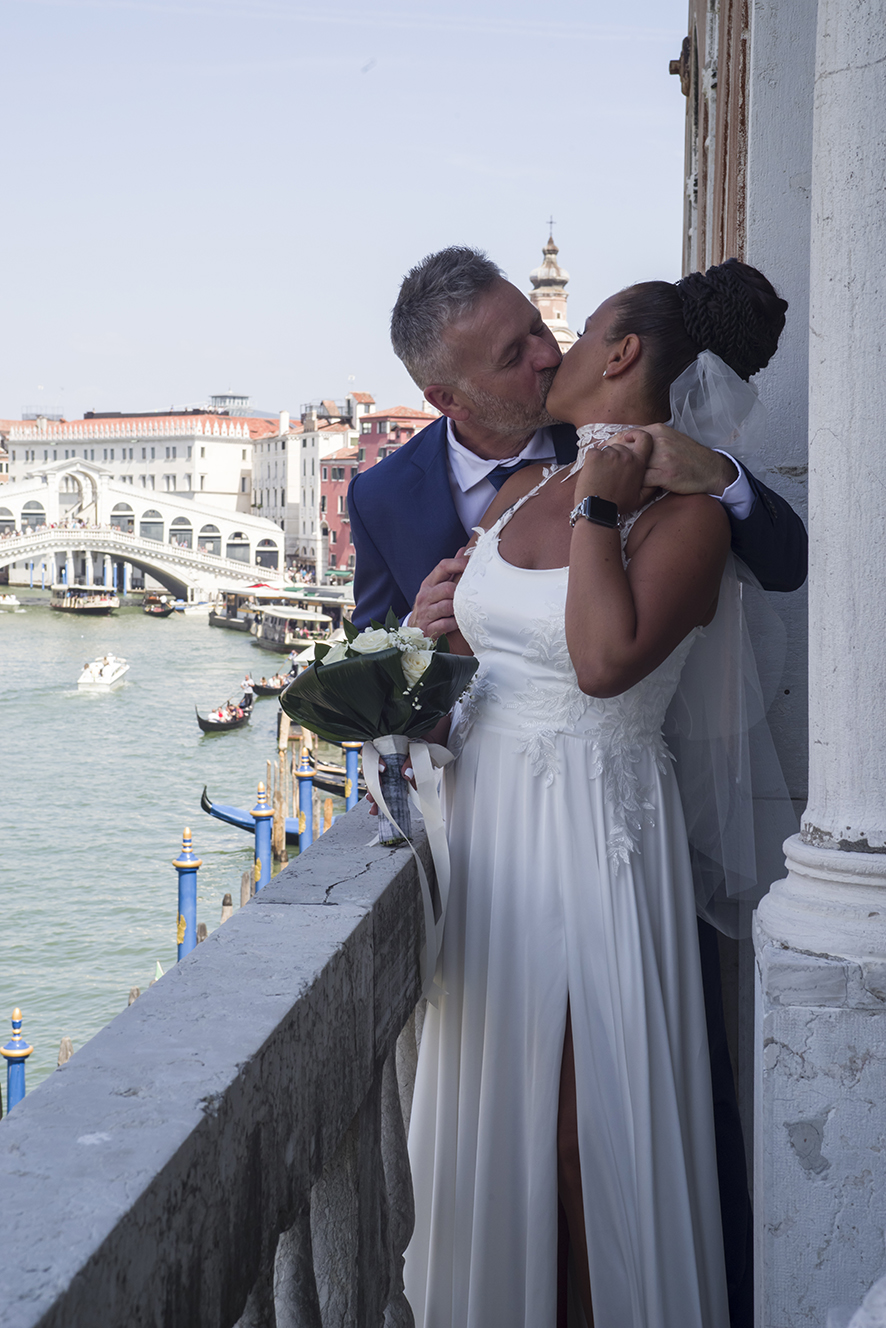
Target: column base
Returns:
[[831, 903]]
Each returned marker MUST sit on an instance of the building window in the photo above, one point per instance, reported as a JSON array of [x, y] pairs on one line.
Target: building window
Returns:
[[112, 454], [354, 471], [326, 472], [342, 505], [152, 481], [104, 454], [173, 453], [304, 442], [366, 426], [361, 454], [312, 465], [202, 453], [152, 454], [143, 481], [202, 479], [92, 454], [189, 451], [130, 453], [187, 482], [332, 537], [332, 558], [243, 484], [322, 502], [144, 454], [167, 454]]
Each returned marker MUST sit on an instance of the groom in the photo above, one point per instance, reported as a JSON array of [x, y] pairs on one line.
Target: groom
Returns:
[[484, 358]]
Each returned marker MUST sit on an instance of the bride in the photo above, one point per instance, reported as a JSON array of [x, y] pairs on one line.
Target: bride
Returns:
[[566, 1061]]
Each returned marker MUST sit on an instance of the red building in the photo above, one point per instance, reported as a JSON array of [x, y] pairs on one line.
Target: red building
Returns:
[[380, 434]]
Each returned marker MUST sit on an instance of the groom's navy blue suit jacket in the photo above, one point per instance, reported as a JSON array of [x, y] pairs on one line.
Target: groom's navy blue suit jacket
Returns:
[[403, 521]]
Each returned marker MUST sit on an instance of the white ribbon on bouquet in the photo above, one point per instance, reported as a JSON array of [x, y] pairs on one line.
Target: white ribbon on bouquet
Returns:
[[425, 757]]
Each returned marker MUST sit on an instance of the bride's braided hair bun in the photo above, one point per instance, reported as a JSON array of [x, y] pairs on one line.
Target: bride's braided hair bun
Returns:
[[733, 311]]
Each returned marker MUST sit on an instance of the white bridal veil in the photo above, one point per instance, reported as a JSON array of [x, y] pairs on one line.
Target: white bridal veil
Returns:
[[737, 808]]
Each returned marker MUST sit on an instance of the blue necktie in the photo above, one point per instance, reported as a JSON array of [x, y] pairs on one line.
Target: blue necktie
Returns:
[[501, 473]]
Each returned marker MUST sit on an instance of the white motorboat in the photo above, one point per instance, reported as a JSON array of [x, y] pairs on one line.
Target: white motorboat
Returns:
[[103, 673], [9, 602]]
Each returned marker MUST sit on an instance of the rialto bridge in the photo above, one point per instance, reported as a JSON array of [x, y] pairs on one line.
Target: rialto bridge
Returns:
[[70, 521]]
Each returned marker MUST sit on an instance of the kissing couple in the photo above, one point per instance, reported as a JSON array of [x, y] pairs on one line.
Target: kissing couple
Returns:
[[574, 1139]]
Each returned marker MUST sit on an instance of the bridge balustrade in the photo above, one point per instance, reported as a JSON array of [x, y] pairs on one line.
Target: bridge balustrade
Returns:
[[230, 1150], [110, 539]]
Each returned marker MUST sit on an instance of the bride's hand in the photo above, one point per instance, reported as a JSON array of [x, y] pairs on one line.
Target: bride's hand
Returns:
[[616, 470]]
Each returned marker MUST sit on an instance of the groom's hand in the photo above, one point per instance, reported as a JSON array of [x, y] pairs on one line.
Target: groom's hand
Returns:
[[432, 610], [681, 465]]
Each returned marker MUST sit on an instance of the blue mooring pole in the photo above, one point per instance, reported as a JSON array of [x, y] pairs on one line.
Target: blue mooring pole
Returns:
[[305, 776], [187, 866], [351, 751], [263, 815], [16, 1052]]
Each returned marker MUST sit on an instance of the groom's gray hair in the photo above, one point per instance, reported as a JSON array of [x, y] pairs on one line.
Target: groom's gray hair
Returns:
[[436, 293]]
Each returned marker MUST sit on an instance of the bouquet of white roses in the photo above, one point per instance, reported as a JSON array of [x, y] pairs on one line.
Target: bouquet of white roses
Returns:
[[385, 687], [386, 680]]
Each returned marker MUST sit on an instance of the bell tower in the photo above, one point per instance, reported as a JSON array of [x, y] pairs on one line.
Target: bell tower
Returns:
[[548, 293]]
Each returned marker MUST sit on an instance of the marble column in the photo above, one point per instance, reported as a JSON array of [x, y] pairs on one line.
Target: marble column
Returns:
[[820, 1166], [89, 578], [70, 576], [127, 578], [108, 573]]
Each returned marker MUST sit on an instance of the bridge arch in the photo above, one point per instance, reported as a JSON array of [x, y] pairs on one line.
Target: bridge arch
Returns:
[[178, 568]]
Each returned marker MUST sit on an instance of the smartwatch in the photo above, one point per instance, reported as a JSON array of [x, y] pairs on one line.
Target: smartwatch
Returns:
[[599, 510]]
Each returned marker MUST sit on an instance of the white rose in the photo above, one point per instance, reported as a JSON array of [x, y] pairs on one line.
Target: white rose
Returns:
[[373, 639], [414, 664], [413, 638], [335, 653]]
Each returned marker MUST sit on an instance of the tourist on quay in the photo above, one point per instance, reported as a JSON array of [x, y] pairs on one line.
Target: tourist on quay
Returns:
[[573, 1022]]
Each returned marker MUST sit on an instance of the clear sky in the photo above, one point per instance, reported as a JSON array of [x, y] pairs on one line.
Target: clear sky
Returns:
[[211, 195]]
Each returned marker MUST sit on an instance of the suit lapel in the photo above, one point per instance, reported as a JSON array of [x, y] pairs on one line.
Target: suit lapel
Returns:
[[432, 511]]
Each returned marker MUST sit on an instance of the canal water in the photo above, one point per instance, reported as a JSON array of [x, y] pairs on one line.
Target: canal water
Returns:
[[94, 793]]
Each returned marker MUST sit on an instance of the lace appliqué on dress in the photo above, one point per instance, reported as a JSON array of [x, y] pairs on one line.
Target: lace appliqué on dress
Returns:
[[467, 708]]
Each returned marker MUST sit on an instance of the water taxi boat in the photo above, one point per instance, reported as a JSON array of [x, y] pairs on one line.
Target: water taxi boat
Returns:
[[94, 600], [103, 673], [239, 609], [285, 630]]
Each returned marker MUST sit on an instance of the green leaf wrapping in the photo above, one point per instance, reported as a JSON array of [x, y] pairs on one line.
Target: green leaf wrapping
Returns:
[[355, 700]]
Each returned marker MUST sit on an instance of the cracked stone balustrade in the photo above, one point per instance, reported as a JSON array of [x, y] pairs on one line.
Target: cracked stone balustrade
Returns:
[[231, 1149], [820, 1167]]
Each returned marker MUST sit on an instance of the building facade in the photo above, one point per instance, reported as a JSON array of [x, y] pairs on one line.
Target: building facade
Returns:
[[202, 455], [286, 481], [381, 433]]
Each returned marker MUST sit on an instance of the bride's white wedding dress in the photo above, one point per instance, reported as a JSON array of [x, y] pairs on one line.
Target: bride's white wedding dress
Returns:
[[570, 883]]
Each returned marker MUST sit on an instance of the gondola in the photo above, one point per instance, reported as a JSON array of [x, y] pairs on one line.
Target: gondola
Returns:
[[243, 819], [267, 689], [210, 725], [157, 606]]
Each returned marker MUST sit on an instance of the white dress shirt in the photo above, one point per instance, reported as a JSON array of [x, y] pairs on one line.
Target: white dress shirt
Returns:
[[472, 492]]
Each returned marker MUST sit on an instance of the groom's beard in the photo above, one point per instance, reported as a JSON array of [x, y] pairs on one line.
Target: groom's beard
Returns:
[[511, 418]]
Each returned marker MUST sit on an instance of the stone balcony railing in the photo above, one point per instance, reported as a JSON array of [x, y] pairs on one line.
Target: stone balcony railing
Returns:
[[230, 1150]]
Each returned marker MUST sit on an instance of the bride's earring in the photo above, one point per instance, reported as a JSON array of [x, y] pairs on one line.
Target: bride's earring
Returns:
[[604, 373]]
